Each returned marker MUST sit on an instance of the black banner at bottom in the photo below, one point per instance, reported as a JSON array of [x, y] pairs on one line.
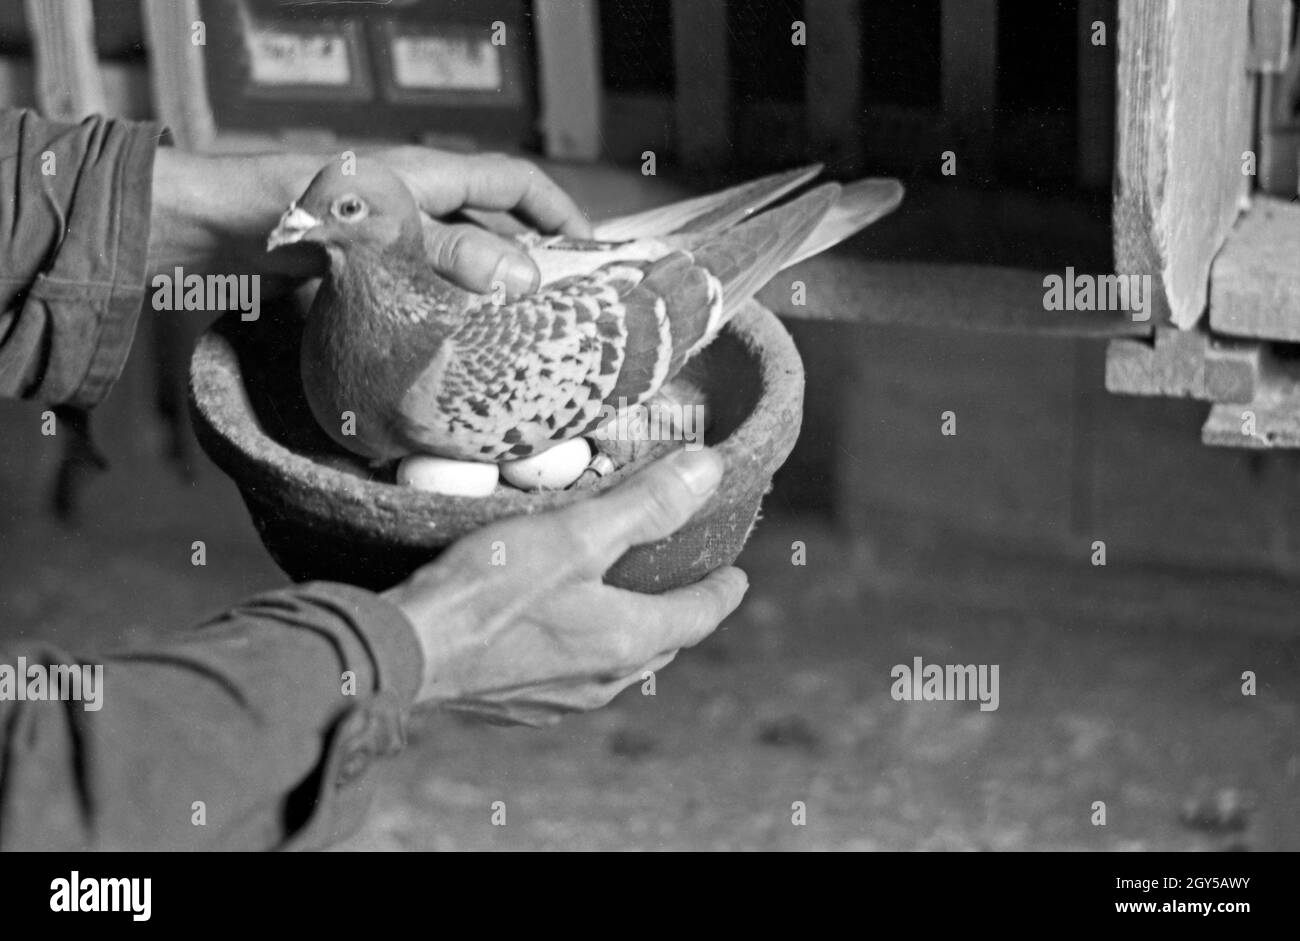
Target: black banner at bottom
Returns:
[[126, 892]]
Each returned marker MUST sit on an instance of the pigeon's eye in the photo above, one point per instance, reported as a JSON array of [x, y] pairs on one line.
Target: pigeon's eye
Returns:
[[349, 208]]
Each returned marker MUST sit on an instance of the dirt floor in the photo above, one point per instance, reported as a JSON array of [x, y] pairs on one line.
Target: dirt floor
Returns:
[[790, 702]]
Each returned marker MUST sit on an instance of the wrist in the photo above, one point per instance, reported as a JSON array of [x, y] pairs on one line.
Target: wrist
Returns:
[[427, 610], [214, 213], [406, 599]]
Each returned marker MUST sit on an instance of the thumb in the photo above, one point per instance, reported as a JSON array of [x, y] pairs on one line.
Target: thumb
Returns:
[[478, 260], [655, 503]]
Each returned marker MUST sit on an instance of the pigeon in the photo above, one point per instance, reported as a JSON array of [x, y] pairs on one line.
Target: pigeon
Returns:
[[420, 366]]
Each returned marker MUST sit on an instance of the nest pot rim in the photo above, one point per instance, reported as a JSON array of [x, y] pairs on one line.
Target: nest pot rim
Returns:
[[269, 473]]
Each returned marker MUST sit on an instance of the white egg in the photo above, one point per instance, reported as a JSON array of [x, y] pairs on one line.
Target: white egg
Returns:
[[445, 476], [553, 469]]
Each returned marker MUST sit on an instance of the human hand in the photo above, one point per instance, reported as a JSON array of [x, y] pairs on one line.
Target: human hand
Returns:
[[446, 183], [212, 213], [540, 635]]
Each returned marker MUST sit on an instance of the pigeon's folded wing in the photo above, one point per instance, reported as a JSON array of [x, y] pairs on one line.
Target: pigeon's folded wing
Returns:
[[515, 378], [518, 377]]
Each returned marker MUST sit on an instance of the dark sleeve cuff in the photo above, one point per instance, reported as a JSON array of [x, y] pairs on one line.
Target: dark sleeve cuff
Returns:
[[389, 637], [128, 236], [375, 728], [74, 242]]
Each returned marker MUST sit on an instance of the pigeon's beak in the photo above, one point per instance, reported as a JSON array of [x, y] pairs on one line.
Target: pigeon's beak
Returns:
[[294, 224]]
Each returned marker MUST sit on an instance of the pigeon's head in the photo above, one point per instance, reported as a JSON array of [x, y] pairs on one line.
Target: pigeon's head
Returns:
[[367, 207]]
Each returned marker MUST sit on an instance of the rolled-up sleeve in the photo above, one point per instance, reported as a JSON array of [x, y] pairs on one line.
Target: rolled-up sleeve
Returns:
[[74, 236], [253, 731]]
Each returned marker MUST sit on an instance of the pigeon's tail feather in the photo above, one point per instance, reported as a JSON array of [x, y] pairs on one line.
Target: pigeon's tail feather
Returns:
[[739, 203], [860, 204], [749, 255], [738, 263], [712, 213], [686, 297]]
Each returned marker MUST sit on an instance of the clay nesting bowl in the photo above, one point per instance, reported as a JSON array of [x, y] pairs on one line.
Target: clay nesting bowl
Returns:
[[323, 515]]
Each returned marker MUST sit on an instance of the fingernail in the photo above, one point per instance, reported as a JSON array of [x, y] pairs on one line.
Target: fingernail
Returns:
[[518, 275], [700, 470]]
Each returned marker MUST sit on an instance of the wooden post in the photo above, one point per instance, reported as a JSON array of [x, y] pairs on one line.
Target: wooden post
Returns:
[[1184, 119], [568, 47], [68, 86], [833, 67], [702, 102], [180, 88]]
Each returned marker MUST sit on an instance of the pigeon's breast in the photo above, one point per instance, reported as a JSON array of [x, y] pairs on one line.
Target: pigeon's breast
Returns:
[[358, 358]]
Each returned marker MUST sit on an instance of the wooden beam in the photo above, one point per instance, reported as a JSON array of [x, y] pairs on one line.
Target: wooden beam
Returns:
[[833, 67], [1189, 364], [1235, 371], [982, 298], [1270, 420], [568, 46], [703, 93], [1226, 427], [68, 85], [1184, 120], [1269, 417], [1256, 286], [180, 87], [1172, 366]]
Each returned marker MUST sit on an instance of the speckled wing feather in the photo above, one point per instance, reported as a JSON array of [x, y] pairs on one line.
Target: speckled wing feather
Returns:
[[518, 377]]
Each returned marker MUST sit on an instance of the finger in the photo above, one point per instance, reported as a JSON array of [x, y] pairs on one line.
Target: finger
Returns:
[[480, 261], [641, 628], [602, 634], [685, 616], [517, 186], [653, 504]]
